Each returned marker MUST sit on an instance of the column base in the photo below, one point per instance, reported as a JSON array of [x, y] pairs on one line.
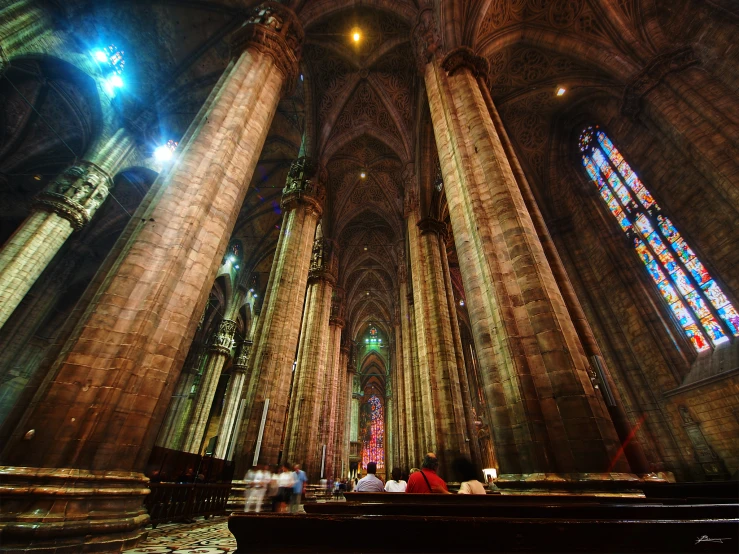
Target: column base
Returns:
[[569, 484], [237, 497], [64, 510]]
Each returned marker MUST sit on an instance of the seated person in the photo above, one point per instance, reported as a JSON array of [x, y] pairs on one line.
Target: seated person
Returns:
[[427, 481], [370, 482], [467, 476], [396, 484]]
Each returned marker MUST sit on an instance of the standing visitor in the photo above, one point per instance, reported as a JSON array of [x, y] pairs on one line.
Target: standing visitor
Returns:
[[258, 487], [285, 481], [300, 479]]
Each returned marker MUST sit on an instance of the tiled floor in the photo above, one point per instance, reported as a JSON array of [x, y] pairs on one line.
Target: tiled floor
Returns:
[[202, 537]]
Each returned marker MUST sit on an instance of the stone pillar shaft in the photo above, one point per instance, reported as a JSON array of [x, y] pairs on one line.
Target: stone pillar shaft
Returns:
[[302, 443], [341, 459], [234, 394], [67, 204], [22, 22], [632, 447], [401, 439], [271, 364], [436, 349], [106, 394], [532, 361], [464, 386], [409, 417], [331, 398]]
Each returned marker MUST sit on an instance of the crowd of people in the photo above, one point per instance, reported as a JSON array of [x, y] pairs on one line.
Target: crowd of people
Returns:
[[285, 487]]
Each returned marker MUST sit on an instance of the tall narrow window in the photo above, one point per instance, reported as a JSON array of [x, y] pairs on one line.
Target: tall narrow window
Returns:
[[697, 302], [373, 433]]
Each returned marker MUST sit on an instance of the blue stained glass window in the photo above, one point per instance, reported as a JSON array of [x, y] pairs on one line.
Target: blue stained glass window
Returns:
[[697, 302]]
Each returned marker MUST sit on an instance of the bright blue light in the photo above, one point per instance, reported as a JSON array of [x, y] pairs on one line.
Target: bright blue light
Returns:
[[100, 56], [163, 153], [116, 81]]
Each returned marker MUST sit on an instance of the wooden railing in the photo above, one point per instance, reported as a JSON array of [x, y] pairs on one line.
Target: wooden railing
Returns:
[[181, 502]]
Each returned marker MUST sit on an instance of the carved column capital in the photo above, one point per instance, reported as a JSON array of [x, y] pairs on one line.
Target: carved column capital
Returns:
[[464, 58], [76, 194], [243, 357], [430, 225], [324, 263], [652, 75], [223, 337], [426, 39], [275, 30], [304, 185]]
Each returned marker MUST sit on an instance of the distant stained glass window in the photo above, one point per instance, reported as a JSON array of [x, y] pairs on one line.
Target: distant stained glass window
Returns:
[[373, 433], [697, 302]]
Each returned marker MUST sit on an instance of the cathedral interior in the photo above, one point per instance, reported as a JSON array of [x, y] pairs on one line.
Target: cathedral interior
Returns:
[[333, 232]]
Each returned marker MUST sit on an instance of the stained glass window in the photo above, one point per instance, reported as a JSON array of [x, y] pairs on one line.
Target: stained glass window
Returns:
[[697, 302], [373, 432]]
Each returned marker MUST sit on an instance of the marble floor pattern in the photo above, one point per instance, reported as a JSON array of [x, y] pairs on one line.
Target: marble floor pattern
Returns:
[[202, 537]]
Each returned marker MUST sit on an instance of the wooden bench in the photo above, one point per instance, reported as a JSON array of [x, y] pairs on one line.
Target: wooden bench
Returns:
[[384, 522]]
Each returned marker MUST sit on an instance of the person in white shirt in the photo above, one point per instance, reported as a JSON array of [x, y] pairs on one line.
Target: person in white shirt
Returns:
[[257, 480], [396, 484], [286, 481], [370, 482]]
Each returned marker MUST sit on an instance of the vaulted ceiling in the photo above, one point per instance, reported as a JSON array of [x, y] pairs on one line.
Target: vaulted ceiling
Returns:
[[360, 105]]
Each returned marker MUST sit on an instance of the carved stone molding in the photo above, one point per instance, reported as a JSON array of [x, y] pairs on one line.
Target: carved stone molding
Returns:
[[223, 337], [652, 75], [425, 38], [304, 185], [243, 357], [76, 194], [410, 202], [464, 58], [430, 225], [324, 262], [276, 31]]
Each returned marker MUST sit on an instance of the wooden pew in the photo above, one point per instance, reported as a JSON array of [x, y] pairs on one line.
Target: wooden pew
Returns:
[[383, 522]]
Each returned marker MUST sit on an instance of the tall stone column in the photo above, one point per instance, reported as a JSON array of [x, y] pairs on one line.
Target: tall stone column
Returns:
[[410, 419], [21, 22], [401, 441], [65, 206], [464, 386], [311, 381], [439, 374], [106, 394], [389, 425], [341, 449], [632, 447], [334, 389], [531, 359], [234, 393], [271, 364], [218, 353]]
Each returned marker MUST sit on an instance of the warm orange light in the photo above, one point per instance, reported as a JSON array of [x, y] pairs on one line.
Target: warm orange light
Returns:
[[561, 91], [356, 36]]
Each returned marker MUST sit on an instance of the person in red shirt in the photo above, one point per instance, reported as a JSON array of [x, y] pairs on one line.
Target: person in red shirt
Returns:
[[427, 481]]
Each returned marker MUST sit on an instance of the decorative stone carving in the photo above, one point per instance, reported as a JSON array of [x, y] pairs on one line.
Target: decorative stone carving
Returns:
[[76, 194], [276, 31], [304, 185], [223, 337], [430, 225], [426, 39], [324, 262], [651, 76], [463, 57], [243, 357], [337, 308]]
